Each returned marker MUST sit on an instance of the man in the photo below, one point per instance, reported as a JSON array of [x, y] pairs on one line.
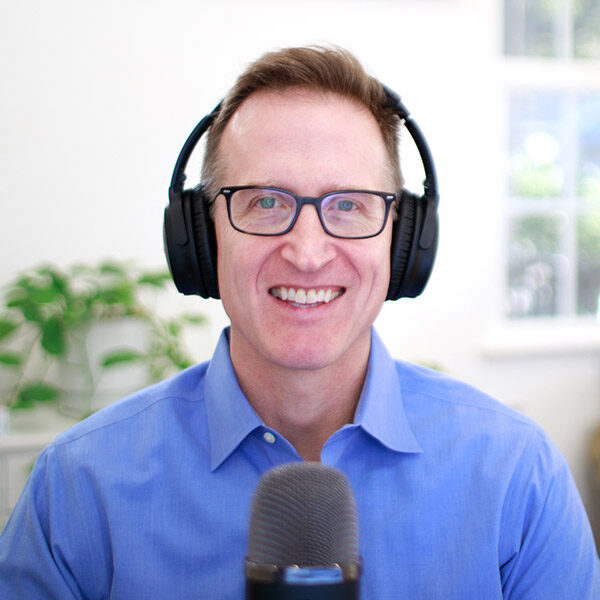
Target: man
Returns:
[[458, 497]]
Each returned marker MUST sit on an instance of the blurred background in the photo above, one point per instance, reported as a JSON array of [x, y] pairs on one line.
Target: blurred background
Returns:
[[98, 98]]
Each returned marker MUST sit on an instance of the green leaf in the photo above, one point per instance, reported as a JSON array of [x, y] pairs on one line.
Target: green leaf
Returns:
[[183, 363], [112, 268], [29, 309], [81, 269], [119, 357], [59, 281], [53, 340], [22, 404], [194, 319], [7, 326], [43, 294], [174, 328], [15, 295], [38, 392], [76, 311], [11, 359], [154, 279], [119, 294], [23, 281], [39, 287]]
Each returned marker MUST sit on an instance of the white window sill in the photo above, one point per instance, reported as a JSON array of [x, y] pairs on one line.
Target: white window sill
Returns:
[[542, 336]]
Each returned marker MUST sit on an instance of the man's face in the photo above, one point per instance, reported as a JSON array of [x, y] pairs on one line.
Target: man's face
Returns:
[[309, 143]]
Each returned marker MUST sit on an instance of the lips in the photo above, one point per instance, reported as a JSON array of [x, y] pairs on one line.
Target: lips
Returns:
[[306, 297]]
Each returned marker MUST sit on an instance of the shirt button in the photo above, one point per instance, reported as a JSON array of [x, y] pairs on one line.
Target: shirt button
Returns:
[[269, 437]]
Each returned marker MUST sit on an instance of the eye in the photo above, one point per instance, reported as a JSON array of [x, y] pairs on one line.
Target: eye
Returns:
[[267, 202], [345, 205]]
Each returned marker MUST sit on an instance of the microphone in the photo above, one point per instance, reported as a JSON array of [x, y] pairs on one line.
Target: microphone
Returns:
[[303, 536]]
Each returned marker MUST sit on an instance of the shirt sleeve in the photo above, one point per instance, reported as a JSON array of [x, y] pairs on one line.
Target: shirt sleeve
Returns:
[[546, 546], [33, 557]]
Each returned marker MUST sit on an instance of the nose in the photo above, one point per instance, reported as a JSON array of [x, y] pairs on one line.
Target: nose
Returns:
[[307, 246]]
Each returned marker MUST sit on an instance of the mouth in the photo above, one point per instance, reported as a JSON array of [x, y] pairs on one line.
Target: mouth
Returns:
[[306, 298]]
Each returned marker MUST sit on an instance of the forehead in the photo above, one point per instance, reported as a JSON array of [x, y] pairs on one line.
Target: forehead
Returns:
[[285, 135]]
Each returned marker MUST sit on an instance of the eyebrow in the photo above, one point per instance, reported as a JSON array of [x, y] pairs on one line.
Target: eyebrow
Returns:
[[332, 188]]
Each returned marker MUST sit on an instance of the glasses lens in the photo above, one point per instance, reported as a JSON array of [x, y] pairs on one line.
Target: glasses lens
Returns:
[[353, 214], [261, 210]]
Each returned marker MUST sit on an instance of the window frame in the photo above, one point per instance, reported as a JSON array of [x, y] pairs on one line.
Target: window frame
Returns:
[[566, 75]]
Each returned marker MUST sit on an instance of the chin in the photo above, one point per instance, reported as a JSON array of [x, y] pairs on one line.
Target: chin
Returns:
[[304, 363], [308, 354]]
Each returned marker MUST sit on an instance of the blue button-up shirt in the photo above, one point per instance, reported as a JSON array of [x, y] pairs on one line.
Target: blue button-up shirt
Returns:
[[458, 497]]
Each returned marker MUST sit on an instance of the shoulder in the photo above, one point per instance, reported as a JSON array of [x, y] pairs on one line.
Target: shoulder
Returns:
[[426, 391], [509, 457], [142, 435], [152, 406], [460, 425]]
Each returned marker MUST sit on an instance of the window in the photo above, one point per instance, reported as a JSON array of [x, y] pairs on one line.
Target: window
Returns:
[[552, 28], [553, 179]]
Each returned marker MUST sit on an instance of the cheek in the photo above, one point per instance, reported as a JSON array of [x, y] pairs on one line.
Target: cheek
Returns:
[[226, 255], [230, 262], [240, 259], [379, 256]]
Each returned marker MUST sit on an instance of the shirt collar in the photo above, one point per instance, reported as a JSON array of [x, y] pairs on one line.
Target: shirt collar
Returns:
[[380, 411], [231, 418]]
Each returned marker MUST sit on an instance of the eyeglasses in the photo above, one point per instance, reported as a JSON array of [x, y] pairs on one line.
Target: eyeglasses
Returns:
[[350, 214]]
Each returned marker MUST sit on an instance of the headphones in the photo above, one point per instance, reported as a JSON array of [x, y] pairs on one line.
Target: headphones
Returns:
[[190, 240]]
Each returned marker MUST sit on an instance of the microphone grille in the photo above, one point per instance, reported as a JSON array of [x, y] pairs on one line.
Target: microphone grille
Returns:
[[303, 513]]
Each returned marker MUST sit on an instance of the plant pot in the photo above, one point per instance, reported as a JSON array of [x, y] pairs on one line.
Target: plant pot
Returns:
[[87, 384]]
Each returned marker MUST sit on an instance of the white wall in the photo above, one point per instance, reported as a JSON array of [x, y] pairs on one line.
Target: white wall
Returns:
[[98, 97]]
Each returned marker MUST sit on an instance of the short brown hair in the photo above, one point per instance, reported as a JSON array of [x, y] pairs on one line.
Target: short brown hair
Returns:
[[317, 68]]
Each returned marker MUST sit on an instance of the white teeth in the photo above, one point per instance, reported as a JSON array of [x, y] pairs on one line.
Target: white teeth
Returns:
[[302, 296]]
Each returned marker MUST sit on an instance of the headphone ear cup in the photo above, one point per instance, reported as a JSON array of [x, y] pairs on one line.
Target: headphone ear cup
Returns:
[[205, 243], [410, 264], [177, 243], [190, 244], [402, 237]]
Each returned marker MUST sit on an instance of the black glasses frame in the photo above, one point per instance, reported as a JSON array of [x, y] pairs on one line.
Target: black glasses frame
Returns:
[[315, 201]]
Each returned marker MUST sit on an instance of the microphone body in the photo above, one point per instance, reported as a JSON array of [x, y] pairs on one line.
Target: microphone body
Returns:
[[347, 590], [303, 537]]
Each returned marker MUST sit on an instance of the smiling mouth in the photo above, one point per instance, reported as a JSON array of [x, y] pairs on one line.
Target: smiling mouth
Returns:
[[305, 298]]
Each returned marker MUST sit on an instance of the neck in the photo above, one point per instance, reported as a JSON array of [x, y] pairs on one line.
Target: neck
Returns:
[[306, 406]]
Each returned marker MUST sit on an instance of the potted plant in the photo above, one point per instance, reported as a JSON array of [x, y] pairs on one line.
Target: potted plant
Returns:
[[49, 316]]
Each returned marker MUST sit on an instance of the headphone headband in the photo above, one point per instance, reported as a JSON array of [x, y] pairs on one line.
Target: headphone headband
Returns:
[[189, 237], [178, 177]]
